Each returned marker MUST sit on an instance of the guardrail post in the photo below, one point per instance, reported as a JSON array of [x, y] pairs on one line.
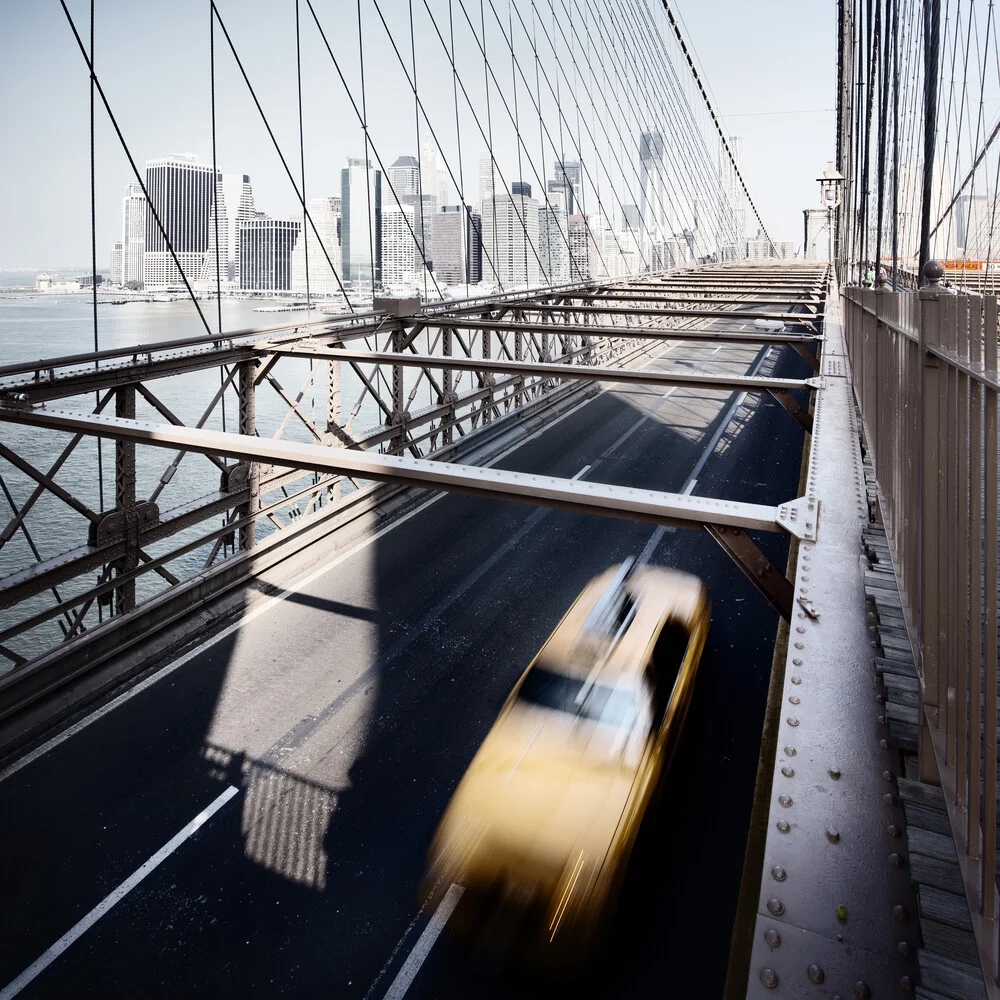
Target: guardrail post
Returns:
[[334, 418], [928, 518], [487, 404], [248, 426], [125, 502]]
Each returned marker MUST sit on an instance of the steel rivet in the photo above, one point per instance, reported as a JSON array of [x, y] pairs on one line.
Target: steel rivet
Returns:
[[775, 907], [880, 719], [896, 860], [778, 873], [880, 698], [788, 772], [901, 913], [783, 826], [800, 645], [833, 835], [884, 744], [796, 679], [842, 913], [785, 800], [793, 699], [801, 614], [769, 978], [799, 629], [796, 663], [889, 776], [906, 984], [772, 937], [861, 991], [889, 799], [903, 947], [816, 974], [790, 751], [805, 579], [835, 772], [894, 831], [792, 721]]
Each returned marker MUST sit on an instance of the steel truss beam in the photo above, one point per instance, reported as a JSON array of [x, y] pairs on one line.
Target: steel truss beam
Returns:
[[724, 519], [779, 388], [685, 313]]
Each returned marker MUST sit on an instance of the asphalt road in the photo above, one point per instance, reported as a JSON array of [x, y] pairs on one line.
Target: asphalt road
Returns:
[[342, 718]]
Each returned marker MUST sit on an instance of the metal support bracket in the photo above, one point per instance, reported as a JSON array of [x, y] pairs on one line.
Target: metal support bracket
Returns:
[[758, 569], [136, 518], [800, 518], [236, 478], [803, 351], [791, 404]]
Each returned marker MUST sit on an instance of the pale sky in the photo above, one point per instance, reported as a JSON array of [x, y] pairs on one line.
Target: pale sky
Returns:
[[770, 67]]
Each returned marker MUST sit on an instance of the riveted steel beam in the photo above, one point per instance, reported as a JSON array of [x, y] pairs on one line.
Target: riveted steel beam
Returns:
[[751, 383], [642, 332]]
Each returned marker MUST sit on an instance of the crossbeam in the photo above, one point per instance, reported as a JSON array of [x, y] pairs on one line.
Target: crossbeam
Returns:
[[750, 383], [798, 517], [636, 332], [685, 313]]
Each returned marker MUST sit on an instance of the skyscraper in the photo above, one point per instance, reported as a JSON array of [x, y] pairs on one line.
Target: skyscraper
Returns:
[[510, 235], [457, 246], [324, 267], [553, 239], [266, 254], [181, 191], [653, 193], [568, 181], [133, 233], [361, 222], [399, 248], [116, 264]]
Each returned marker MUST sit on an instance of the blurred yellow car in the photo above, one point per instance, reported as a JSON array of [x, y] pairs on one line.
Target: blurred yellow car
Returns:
[[544, 819]]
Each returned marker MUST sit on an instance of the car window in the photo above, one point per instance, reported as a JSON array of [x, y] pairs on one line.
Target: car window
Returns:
[[612, 705], [668, 655]]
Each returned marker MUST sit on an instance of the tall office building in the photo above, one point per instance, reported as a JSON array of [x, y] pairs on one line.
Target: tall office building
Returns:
[[399, 248], [510, 234], [215, 267], [457, 246], [266, 254], [361, 222], [553, 239], [322, 245], [489, 181], [181, 191], [653, 189], [581, 251], [568, 182], [133, 233], [116, 264]]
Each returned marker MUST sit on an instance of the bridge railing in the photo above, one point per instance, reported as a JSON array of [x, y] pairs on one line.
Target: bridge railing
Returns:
[[926, 381]]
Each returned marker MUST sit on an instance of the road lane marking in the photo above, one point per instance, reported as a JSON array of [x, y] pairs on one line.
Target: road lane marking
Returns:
[[425, 942], [44, 961]]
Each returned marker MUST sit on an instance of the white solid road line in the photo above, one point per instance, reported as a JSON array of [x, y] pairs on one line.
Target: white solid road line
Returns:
[[39, 965], [425, 942]]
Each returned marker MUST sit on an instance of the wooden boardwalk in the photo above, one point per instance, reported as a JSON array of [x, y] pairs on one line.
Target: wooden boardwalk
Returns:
[[948, 959]]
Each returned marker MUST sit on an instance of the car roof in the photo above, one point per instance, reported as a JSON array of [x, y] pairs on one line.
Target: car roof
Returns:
[[658, 594]]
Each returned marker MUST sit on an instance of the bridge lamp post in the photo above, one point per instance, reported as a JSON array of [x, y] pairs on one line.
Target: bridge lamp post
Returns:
[[831, 184]]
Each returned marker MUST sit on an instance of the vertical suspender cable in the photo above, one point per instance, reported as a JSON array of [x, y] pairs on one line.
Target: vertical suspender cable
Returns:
[[895, 143], [932, 18], [882, 139], [374, 224], [302, 152], [215, 197], [93, 267]]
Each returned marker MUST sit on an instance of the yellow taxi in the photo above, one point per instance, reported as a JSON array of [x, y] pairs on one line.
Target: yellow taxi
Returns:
[[544, 819]]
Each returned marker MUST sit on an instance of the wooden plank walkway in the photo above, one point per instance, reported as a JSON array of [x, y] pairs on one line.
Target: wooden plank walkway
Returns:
[[948, 958]]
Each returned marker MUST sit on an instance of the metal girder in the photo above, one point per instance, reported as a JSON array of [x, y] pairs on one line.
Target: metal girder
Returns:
[[647, 311], [758, 569], [640, 332], [750, 383], [672, 509], [791, 404]]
